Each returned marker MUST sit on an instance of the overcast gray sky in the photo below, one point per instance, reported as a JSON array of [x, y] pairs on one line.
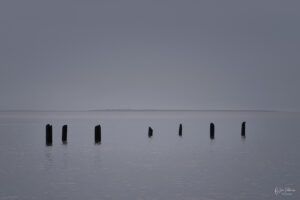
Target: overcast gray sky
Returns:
[[164, 54]]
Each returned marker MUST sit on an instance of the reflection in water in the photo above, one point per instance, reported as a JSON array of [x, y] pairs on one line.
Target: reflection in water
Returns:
[[49, 159]]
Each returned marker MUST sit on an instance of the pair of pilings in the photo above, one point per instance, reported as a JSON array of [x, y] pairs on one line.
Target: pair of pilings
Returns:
[[212, 130], [150, 131], [64, 135]]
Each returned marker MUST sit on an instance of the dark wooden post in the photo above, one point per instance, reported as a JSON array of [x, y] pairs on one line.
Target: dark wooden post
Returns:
[[212, 131], [150, 132], [243, 133], [180, 130], [48, 135], [97, 134], [64, 134]]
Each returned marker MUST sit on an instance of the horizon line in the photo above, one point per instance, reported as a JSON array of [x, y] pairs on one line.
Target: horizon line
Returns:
[[151, 110]]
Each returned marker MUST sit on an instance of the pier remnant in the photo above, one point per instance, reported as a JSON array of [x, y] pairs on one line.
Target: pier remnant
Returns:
[[97, 134], [180, 130], [64, 136], [243, 132], [212, 131], [150, 132], [48, 135]]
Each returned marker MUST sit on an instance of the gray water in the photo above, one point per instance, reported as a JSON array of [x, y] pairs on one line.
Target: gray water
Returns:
[[129, 165]]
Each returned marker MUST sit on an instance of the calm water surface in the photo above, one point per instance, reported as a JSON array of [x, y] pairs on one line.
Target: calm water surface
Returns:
[[129, 165]]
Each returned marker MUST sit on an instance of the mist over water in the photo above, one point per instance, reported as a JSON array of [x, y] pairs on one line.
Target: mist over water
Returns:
[[130, 165]]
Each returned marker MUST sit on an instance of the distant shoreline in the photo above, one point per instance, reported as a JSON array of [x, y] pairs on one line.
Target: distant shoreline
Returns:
[[138, 114], [138, 110]]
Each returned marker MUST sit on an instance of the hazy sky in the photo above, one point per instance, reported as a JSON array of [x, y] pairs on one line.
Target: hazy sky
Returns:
[[164, 54]]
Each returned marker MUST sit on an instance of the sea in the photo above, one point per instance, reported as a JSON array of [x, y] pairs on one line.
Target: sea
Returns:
[[261, 162]]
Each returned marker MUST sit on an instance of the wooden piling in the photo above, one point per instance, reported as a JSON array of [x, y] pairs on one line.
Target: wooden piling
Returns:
[[243, 131], [150, 132], [180, 130], [212, 131], [64, 136], [49, 135], [97, 134]]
